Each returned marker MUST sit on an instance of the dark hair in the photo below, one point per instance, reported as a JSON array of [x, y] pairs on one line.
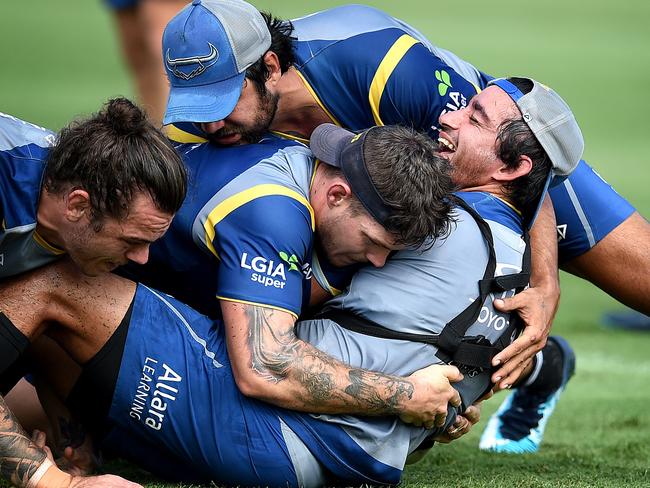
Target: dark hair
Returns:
[[515, 139], [112, 155], [413, 180], [281, 44]]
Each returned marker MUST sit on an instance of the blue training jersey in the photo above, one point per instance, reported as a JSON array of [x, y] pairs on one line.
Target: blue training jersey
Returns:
[[245, 230], [180, 414], [366, 68], [23, 152]]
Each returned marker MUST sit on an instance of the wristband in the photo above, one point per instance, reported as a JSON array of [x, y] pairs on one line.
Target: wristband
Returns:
[[40, 472]]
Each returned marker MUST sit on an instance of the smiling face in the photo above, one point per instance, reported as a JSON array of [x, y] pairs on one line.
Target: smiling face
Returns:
[[468, 136], [117, 241], [249, 120]]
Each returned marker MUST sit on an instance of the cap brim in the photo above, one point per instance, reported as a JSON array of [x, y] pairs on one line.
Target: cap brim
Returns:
[[204, 103], [327, 141]]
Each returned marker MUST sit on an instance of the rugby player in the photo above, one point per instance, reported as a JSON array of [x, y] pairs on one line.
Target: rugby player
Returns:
[[357, 66], [266, 231], [158, 375], [100, 192]]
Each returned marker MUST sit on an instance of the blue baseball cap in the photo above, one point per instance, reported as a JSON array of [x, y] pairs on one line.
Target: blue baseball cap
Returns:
[[207, 48]]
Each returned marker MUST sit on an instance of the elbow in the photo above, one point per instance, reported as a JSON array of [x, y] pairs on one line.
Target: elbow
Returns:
[[251, 384]]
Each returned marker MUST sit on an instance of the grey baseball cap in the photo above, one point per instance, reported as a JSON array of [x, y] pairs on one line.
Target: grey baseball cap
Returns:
[[207, 48], [551, 121]]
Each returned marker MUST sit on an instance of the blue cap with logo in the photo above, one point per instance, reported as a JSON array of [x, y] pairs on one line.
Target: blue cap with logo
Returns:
[[207, 48]]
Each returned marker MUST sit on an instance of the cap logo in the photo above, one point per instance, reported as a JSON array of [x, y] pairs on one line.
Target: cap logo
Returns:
[[203, 62]]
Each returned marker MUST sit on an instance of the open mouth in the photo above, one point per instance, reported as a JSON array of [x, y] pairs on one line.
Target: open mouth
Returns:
[[445, 145]]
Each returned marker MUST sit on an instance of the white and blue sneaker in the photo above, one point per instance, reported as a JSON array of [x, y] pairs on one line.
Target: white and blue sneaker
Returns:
[[518, 426]]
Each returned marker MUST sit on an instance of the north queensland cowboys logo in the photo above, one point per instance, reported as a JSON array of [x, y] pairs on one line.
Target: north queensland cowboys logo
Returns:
[[179, 66]]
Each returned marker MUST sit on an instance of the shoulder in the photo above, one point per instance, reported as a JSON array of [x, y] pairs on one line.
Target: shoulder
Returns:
[[16, 133]]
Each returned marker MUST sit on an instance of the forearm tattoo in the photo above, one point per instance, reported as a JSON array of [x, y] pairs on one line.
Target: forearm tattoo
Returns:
[[364, 384], [277, 354], [19, 456]]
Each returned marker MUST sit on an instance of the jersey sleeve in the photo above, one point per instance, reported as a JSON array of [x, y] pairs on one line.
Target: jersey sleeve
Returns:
[[264, 246], [414, 87]]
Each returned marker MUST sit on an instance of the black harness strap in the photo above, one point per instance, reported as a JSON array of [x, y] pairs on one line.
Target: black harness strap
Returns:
[[471, 353]]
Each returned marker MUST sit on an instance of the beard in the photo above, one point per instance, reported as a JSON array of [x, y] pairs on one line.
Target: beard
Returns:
[[253, 132]]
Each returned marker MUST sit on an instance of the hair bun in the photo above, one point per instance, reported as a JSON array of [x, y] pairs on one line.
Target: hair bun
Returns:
[[124, 116]]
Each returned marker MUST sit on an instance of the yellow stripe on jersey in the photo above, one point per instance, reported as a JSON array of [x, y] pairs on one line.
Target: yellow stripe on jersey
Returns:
[[510, 205], [385, 69], [264, 305], [291, 137], [178, 135], [318, 271], [46, 245], [313, 94], [317, 162], [223, 209]]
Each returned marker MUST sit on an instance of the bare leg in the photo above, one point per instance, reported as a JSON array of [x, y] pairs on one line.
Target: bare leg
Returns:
[[620, 263], [140, 30]]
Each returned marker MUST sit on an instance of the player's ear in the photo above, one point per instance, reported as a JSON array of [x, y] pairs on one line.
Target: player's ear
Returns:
[[524, 167], [338, 193], [272, 63], [77, 204]]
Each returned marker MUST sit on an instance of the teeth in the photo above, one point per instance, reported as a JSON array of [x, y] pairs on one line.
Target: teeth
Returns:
[[447, 143]]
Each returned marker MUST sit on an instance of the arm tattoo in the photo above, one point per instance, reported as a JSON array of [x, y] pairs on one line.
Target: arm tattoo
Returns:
[[364, 385], [19, 456], [271, 350], [278, 354]]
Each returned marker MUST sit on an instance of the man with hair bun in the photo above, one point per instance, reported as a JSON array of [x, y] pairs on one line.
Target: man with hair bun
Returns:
[[261, 220], [100, 192]]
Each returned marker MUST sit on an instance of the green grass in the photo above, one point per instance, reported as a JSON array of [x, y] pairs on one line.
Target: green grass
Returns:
[[60, 59]]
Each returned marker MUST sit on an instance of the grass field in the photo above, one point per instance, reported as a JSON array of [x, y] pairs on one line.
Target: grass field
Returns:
[[60, 59]]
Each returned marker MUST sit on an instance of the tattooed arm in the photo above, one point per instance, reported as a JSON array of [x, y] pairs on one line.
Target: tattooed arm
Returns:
[[271, 363], [20, 458]]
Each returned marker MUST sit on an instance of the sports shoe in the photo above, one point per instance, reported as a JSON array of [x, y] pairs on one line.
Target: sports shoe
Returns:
[[518, 426]]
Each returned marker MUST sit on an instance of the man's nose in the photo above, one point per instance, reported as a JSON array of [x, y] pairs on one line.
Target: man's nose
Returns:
[[212, 127]]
